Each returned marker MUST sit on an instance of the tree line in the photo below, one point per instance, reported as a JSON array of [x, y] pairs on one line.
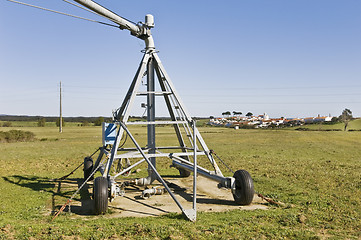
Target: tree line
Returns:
[[41, 121], [49, 119], [236, 113]]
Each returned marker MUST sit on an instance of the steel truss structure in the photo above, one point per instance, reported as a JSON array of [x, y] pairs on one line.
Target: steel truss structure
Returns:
[[191, 143]]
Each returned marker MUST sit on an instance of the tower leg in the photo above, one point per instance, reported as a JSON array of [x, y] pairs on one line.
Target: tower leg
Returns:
[[167, 81], [151, 116], [124, 111]]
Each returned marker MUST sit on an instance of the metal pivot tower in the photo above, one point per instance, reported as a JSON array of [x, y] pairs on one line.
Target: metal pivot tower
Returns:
[[190, 143], [152, 68]]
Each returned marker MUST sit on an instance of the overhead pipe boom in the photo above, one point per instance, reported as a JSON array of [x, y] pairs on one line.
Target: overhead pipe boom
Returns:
[[140, 31], [123, 23]]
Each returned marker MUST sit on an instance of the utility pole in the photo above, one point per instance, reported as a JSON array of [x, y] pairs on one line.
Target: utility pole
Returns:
[[61, 114]]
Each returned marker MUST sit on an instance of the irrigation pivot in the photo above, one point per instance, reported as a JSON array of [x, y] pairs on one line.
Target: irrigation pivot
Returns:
[[190, 144]]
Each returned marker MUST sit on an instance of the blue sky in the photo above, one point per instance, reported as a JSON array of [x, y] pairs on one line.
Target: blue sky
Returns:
[[294, 58]]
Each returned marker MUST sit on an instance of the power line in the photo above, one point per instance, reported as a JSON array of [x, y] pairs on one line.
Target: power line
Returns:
[[286, 88], [278, 103], [97, 87], [276, 95], [61, 113]]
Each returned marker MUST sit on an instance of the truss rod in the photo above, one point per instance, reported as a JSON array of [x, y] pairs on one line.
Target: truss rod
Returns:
[[159, 178], [123, 23], [155, 122], [78, 6], [62, 13]]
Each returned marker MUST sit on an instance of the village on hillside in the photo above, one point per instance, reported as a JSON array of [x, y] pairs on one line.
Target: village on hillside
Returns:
[[264, 121]]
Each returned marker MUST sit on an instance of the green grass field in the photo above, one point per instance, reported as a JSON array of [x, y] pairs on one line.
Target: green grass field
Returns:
[[316, 174]]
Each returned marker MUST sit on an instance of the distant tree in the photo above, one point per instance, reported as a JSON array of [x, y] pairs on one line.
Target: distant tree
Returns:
[[235, 113], [85, 123], [249, 114], [228, 113], [41, 122], [6, 124], [345, 117], [57, 122], [98, 121], [334, 120]]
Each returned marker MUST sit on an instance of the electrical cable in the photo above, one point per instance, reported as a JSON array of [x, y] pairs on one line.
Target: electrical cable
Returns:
[[95, 152], [144, 113], [72, 196], [64, 177], [212, 152], [66, 14], [126, 137]]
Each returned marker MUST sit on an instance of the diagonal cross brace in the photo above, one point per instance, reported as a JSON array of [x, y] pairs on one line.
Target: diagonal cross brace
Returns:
[[160, 179]]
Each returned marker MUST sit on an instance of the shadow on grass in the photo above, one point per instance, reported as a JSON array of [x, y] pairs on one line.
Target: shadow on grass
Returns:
[[172, 176], [200, 197], [33, 182], [60, 190]]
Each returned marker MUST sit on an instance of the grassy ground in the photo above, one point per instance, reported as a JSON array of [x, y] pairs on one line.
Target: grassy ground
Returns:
[[316, 174]]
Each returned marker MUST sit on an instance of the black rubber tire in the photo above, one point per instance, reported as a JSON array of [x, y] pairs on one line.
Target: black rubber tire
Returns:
[[100, 193], [184, 173], [244, 192], [88, 167]]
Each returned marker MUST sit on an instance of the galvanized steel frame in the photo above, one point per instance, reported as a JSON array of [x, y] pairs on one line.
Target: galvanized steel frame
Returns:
[[179, 117]]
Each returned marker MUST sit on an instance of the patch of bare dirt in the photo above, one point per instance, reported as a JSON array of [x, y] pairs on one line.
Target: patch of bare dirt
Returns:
[[209, 199]]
